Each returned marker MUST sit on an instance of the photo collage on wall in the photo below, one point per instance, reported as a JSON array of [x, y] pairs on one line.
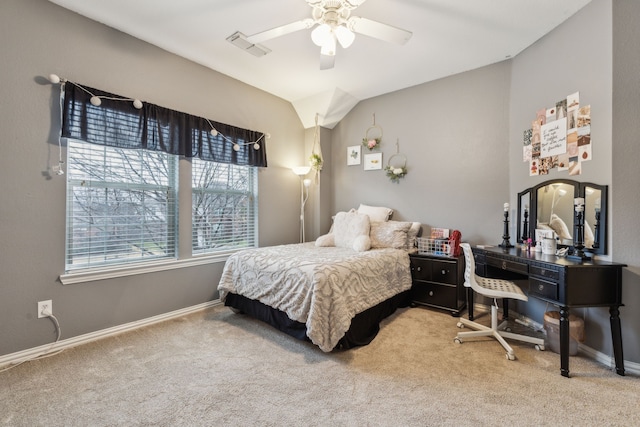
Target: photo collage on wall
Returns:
[[560, 137]]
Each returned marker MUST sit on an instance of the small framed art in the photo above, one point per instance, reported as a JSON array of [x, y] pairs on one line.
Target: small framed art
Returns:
[[353, 155], [372, 161]]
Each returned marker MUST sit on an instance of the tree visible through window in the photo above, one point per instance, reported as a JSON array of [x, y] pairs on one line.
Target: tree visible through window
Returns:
[[121, 205], [224, 206]]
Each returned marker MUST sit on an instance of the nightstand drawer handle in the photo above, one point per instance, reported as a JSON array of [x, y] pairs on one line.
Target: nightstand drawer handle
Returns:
[[418, 268], [444, 272], [430, 293]]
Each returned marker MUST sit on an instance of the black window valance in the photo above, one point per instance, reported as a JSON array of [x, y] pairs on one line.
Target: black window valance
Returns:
[[117, 123]]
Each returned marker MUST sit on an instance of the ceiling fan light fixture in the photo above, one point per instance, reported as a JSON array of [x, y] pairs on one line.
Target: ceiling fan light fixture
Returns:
[[321, 34], [345, 36]]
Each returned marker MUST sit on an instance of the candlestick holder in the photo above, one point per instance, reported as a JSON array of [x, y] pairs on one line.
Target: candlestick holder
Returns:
[[525, 226], [596, 234], [578, 241], [505, 236]]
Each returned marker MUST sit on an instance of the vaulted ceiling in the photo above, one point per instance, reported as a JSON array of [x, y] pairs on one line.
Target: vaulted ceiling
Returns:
[[448, 37]]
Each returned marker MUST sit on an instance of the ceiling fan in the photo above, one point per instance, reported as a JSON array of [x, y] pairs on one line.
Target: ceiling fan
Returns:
[[333, 24]]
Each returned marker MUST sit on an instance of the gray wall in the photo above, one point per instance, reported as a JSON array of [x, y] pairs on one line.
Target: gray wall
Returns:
[[39, 38], [453, 132], [463, 138], [626, 173]]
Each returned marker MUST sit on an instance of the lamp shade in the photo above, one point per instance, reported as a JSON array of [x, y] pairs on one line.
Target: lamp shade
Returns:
[[320, 34], [301, 170], [345, 36]]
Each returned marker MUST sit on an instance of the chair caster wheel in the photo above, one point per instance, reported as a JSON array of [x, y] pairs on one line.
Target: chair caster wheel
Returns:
[[511, 356], [457, 340], [460, 325], [507, 329], [539, 347]]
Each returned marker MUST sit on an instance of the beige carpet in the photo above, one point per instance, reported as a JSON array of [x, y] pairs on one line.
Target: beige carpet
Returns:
[[216, 368]]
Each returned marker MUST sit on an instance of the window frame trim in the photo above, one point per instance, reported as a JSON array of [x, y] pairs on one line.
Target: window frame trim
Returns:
[[142, 268]]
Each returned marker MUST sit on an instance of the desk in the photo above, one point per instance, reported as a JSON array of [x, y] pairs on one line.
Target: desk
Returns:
[[561, 282]]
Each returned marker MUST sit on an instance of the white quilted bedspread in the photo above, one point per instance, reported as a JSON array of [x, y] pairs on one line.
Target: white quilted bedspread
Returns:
[[322, 287]]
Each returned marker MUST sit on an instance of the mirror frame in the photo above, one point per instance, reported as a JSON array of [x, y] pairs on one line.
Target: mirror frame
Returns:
[[579, 190]]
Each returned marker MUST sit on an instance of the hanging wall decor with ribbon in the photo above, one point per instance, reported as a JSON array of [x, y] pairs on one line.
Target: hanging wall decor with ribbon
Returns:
[[315, 160], [396, 165], [372, 136]]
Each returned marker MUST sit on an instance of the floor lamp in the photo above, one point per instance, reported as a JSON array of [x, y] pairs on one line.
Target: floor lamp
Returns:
[[302, 171]]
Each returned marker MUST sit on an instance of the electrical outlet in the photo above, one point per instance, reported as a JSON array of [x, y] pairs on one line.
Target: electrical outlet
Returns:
[[45, 306]]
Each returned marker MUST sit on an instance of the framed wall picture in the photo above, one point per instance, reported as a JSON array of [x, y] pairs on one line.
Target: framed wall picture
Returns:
[[372, 161], [353, 155]]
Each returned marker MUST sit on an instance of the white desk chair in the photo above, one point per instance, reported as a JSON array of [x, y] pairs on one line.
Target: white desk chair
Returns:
[[492, 288]]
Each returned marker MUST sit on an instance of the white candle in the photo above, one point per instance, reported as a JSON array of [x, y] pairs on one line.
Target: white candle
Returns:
[[506, 206]]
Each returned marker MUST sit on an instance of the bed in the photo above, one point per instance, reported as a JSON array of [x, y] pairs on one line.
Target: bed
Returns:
[[333, 292]]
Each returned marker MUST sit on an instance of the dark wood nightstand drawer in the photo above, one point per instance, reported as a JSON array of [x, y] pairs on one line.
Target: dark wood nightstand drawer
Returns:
[[420, 268], [433, 294], [543, 288], [444, 272]]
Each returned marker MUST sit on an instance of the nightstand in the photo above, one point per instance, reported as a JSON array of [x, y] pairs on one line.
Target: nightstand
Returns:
[[438, 281]]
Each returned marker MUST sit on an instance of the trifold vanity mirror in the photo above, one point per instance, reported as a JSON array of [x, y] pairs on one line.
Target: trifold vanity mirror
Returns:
[[550, 205]]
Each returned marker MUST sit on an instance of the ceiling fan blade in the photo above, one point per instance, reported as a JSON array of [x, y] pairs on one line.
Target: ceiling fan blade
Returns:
[[281, 31], [378, 30], [327, 61]]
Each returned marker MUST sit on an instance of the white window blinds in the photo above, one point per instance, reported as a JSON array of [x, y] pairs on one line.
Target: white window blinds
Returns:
[[224, 207], [121, 205]]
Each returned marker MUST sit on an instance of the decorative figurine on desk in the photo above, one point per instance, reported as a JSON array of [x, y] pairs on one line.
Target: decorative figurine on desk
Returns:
[[505, 237], [578, 242]]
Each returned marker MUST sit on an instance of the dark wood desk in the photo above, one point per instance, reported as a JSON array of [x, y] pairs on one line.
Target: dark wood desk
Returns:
[[562, 282]]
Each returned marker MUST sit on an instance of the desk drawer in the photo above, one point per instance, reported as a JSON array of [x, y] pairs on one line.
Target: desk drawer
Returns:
[[544, 272], [434, 294], [543, 288], [505, 264]]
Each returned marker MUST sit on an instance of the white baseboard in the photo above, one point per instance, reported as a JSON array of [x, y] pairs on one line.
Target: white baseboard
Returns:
[[32, 353], [605, 359]]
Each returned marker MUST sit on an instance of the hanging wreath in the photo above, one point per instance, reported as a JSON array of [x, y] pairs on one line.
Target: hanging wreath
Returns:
[[373, 136], [396, 167]]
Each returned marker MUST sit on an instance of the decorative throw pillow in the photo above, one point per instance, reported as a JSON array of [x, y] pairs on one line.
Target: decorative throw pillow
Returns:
[[376, 213], [390, 234], [560, 227], [347, 227], [588, 235], [326, 240], [412, 235]]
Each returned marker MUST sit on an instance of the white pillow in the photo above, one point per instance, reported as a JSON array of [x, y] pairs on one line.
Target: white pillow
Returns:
[[412, 235], [376, 213], [589, 238], [348, 227], [390, 234], [560, 227], [326, 240]]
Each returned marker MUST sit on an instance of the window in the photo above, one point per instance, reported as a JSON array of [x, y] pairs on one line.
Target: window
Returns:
[[123, 183], [121, 205], [224, 210]]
